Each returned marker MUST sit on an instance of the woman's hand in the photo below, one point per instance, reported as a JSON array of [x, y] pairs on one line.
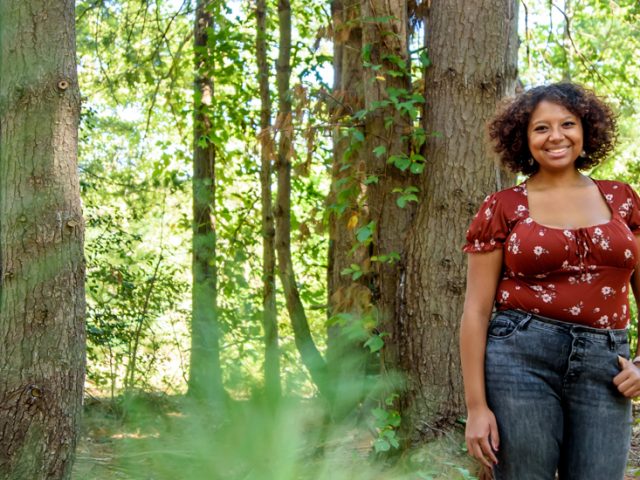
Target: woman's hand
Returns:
[[481, 434], [628, 380]]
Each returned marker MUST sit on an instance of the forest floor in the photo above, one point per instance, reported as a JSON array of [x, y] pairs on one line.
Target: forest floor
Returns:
[[150, 444]]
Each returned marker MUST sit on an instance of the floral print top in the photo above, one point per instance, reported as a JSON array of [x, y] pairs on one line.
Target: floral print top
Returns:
[[574, 275]]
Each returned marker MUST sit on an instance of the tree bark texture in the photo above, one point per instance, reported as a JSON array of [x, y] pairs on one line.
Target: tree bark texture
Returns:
[[205, 376], [346, 355], [269, 313], [472, 45], [347, 174], [311, 357], [385, 35], [42, 305]]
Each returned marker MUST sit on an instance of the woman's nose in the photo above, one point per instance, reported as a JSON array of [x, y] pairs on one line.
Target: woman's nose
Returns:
[[555, 134]]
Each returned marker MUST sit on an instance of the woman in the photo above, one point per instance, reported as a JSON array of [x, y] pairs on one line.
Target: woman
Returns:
[[548, 380]]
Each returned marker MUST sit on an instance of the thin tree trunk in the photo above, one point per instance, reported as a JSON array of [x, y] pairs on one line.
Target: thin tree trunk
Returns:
[[269, 313], [310, 355], [42, 305], [205, 376], [468, 76]]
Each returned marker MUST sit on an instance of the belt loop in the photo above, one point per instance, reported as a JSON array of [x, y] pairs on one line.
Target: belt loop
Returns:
[[526, 320], [612, 340]]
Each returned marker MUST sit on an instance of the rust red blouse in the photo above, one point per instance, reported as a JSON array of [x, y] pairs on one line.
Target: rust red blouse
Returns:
[[574, 275]]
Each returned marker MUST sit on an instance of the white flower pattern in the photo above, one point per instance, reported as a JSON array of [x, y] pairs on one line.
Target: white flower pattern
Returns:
[[538, 250], [607, 292]]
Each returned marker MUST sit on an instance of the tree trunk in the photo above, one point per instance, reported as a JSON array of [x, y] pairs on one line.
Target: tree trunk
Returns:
[[309, 354], [346, 355], [385, 37], [269, 313], [205, 376], [42, 305], [473, 48], [346, 187]]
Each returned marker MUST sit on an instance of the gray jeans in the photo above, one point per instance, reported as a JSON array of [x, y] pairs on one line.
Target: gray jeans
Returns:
[[550, 385]]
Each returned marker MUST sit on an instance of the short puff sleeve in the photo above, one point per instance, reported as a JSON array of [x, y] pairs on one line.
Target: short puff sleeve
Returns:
[[630, 209], [488, 229]]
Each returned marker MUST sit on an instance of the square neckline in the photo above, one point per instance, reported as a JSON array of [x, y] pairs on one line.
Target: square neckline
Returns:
[[575, 229]]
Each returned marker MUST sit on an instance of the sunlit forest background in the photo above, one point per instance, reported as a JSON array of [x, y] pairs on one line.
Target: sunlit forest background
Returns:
[[253, 407], [135, 65]]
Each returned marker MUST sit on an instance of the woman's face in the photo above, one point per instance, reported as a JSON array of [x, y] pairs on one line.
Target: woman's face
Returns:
[[555, 136]]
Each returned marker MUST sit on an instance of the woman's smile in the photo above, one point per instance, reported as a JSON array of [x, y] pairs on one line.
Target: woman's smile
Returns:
[[555, 136]]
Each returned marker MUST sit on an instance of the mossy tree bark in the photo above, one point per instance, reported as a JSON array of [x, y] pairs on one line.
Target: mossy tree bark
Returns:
[[205, 375]]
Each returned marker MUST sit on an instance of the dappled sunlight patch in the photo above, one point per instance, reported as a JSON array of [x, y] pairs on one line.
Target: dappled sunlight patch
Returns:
[[136, 435]]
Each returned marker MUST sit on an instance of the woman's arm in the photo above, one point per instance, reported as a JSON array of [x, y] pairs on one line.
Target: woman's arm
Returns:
[[628, 380], [483, 274]]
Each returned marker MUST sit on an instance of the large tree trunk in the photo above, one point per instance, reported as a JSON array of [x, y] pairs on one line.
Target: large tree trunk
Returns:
[[42, 306], [473, 46], [269, 313], [205, 376], [311, 357]]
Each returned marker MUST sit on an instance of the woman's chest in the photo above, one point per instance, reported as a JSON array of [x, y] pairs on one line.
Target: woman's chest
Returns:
[[570, 208], [532, 249]]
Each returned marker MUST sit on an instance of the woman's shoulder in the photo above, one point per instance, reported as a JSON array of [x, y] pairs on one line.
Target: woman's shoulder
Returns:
[[623, 198], [613, 186], [616, 191], [510, 203]]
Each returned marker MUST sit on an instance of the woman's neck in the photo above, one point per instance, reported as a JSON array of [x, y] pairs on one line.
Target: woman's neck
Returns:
[[543, 179]]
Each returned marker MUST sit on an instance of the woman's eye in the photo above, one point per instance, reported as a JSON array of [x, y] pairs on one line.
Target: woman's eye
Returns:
[[569, 124], [539, 129]]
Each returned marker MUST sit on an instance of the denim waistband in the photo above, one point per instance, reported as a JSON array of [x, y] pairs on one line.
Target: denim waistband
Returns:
[[613, 335]]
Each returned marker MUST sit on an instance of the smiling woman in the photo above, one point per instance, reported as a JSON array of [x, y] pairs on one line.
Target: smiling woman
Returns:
[[555, 136], [554, 256], [511, 128]]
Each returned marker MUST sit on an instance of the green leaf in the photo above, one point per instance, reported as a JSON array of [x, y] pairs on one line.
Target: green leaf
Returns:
[[380, 414], [364, 233], [360, 114], [375, 343], [417, 168], [366, 52], [395, 73], [371, 179], [401, 162], [380, 104], [424, 59], [395, 93], [381, 445], [357, 135], [391, 398], [379, 150]]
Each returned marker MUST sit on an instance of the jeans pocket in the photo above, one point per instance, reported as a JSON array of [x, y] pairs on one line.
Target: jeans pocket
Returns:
[[623, 350], [502, 327]]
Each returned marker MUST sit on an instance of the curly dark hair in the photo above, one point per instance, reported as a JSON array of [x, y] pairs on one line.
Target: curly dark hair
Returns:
[[508, 129]]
